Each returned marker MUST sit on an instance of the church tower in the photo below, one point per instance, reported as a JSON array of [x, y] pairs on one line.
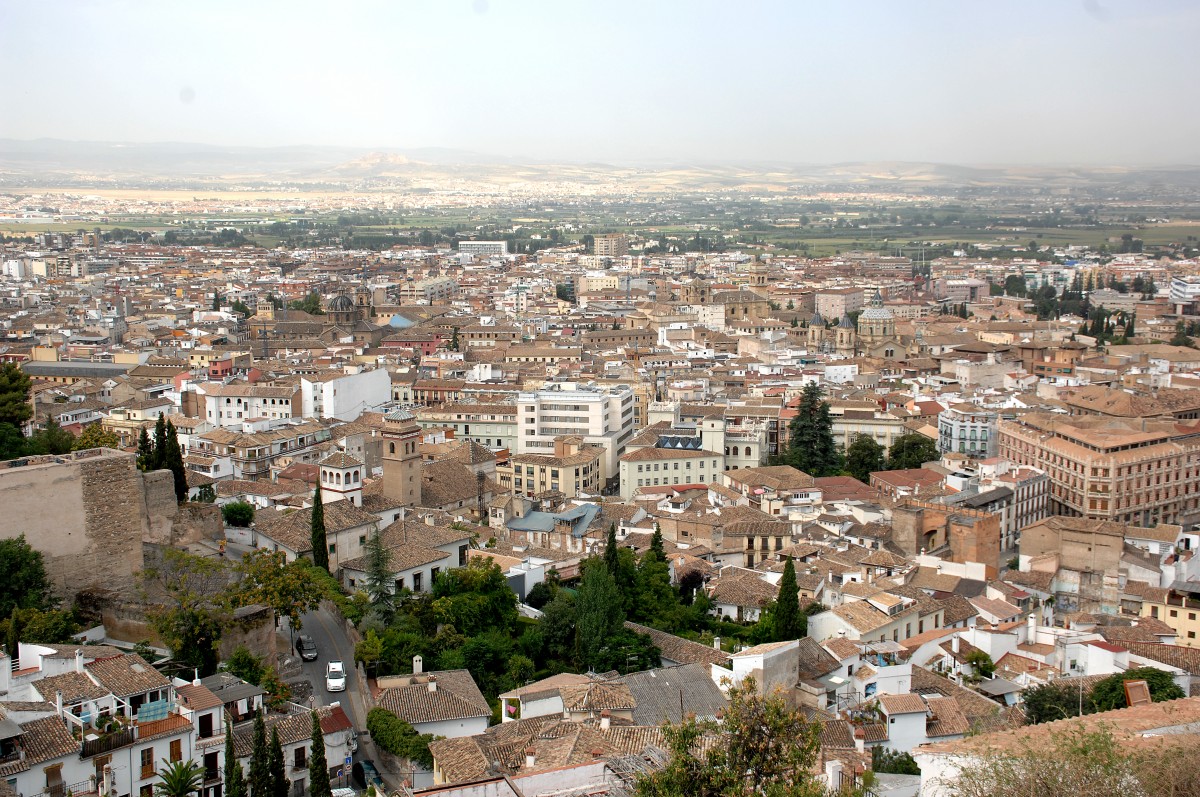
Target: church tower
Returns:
[[845, 336], [816, 332], [877, 323], [341, 478], [401, 457]]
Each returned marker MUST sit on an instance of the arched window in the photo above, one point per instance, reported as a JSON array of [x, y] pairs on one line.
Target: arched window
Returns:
[[339, 478], [391, 448]]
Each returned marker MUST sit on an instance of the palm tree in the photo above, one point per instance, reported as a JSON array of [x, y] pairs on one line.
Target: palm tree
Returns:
[[179, 779]]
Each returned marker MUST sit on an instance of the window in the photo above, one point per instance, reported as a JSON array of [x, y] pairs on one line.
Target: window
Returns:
[[362, 539], [417, 582], [146, 791], [332, 547], [1174, 613], [147, 758], [301, 758]]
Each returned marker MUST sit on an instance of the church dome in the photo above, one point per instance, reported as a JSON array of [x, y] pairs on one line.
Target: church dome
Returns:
[[340, 303]]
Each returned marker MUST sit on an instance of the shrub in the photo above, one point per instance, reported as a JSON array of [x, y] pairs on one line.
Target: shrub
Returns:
[[238, 513]]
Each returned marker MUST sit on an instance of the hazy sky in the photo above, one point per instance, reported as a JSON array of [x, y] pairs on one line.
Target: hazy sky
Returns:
[[1048, 81]]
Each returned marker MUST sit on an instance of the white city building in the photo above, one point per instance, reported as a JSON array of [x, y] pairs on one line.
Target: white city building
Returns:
[[601, 415], [344, 396]]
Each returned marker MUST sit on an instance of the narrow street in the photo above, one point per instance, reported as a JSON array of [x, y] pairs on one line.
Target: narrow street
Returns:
[[332, 645]]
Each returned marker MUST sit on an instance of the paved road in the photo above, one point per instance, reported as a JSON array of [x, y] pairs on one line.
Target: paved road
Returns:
[[333, 644]]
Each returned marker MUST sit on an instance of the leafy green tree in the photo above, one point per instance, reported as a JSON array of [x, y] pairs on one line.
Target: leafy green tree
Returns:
[[811, 447], [235, 779], [318, 767], [205, 494], [370, 650], [179, 779], [320, 545], [475, 598], [145, 451], [558, 626], [864, 456], [539, 595], [398, 737], [278, 692], [786, 615], [761, 747], [599, 616], [245, 665], [1109, 693], [25, 584], [454, 342], [380, 578], [259, 780], [656, 598], [12, 443], [34, 625], [96, 436], [1055, 701], [886, 761], [911, 451], [173, 461], [238, 513], [280, 785], [310, 304], [190, 597], [52, 440], [981, 663], [289, 588], [241, 307], [1076, 761], [15, 385]]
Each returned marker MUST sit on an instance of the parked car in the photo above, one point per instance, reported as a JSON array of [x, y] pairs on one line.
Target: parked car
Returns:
[[306, 648], [335, 677]]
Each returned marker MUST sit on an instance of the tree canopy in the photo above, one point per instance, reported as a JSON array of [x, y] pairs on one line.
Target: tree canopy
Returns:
[[811, 447], [911, 451], [864, 456]]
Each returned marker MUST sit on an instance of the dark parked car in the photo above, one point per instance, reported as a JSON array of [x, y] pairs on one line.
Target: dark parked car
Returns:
[[306, 647]]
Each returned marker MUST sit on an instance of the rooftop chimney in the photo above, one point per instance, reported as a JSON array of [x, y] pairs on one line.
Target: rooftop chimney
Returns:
[[196, 676], [78, 660], [597, 752], [716, 643], [860, 740], [429, 521], [530, 757], [418, 664], [955, 644], [432, 683], [605, 719]]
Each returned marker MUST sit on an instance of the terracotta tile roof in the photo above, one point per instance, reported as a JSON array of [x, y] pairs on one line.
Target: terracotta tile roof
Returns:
[[597, 696], [1125, 723], [1186, 659], [294, 529], [947, 719], [46, 739], [842, 648], [73, 685], [902, 704], [126, 675], [197, 697], [547, 685], [743, 589], [456, 697], [680, 650]]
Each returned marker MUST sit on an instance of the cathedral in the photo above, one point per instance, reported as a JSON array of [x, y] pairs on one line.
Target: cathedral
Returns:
[[874, 336]]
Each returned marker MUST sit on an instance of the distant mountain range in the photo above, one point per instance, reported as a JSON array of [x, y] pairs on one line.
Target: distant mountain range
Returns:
[[52, 162]]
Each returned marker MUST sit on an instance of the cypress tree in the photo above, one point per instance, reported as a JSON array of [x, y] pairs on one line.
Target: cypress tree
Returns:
[[380, 578], [235, 780], [158, 460], [612, 554], [173, 461], [787, 606], [318, 767], [656, 543], [260, 764], [280, 785], [319, 544], [145, 451]]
